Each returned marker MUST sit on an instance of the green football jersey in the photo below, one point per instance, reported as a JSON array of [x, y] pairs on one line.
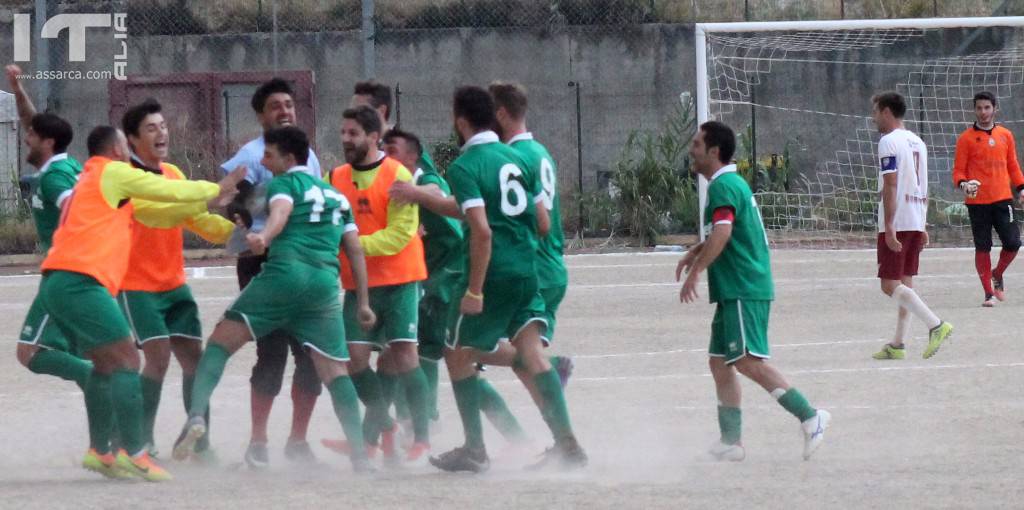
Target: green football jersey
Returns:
[[493, 175], [442, 239], [319, 217], [743, 270], [56, 180], [551, 270]]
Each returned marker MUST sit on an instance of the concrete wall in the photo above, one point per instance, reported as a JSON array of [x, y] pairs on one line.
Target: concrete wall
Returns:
[[630, 78]]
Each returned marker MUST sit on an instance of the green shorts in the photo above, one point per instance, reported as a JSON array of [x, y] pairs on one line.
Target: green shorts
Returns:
[[86, 314], [397, 310], [41, 331], [509, 305], [433, 327], [552, 298], [161, 315], [740, 328], [297, 298], [445, 280]]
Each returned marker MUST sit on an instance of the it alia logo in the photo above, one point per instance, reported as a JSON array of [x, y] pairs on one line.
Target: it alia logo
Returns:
[[76, 25]]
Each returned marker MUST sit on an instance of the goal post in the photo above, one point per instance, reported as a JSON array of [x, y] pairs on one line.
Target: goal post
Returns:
[[832, 67]]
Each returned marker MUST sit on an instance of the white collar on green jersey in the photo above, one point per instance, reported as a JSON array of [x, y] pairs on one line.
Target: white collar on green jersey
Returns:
[[481, 138], [298, 168], [724, 170], [55, 158], [521, 137]]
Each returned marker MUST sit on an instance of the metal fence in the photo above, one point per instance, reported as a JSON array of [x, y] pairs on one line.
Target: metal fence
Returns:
[[596, 70]]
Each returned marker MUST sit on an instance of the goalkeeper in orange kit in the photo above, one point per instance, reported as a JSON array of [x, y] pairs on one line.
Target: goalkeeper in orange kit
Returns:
[[985, 168]]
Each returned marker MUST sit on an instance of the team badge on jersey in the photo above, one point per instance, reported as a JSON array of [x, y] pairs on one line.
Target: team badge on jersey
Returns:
[[991, 142]]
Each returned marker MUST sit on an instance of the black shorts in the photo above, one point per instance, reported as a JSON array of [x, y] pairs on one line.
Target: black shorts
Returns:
[[985, 217]]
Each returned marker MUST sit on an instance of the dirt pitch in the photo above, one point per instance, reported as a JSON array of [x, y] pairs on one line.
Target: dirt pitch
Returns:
[[939, 433]]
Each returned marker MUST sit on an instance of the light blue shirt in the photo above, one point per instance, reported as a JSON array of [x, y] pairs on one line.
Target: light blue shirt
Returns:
[[250, 155]]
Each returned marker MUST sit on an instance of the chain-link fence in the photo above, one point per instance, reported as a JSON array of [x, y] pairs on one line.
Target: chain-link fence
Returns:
[[596, 70]]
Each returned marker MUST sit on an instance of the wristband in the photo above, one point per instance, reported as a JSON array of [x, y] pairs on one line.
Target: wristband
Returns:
[[470, 294]]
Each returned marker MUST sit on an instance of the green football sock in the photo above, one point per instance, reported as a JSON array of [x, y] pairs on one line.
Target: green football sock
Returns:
[[794, 402], [346, 408], [414, 382], [388, 385], [467, 398], [208, 371], [126, 395], [554, 409], [61, 364], [368, 388], [401, 405], [100, 411], [730, 423], [498, 413], [151, 389], [429, 368], [187, 383]]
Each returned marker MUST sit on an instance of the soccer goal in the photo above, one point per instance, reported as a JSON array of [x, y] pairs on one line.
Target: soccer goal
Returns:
[[798, 95]]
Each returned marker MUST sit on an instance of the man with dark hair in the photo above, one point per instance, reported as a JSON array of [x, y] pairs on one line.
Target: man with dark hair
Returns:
[[375, 95], [446, 267], [985, 167], [495, 191], [902, 223], [82, 273], [158, 303], [308, 220], [395, 265], [274, 105], [552, 277], [41, 346], [736, 257]]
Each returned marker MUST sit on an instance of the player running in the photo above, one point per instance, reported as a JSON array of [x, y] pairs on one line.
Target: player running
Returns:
[[902, 212], [81, 275], [297, 289], [446, 267], [274, 104], [985, 167], [500, 299], [157, 302], [736, 258], [510, 104], [41, 346]]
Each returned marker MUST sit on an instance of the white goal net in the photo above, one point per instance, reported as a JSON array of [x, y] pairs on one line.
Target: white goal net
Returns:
[[798, 94]]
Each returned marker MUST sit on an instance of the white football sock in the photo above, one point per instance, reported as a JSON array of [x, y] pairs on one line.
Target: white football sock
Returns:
[[907, 298], [902, 325]]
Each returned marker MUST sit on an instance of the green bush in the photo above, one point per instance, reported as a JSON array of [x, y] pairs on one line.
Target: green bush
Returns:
[[17, 235], [654, 188]]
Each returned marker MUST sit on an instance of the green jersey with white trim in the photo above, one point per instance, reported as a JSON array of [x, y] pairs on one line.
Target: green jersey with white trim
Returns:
[[492, 175], [743, 270], [56, 179], [551, 271], [320, 215]]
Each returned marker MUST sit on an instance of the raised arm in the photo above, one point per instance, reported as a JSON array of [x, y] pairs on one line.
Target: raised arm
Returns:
[[26, 110]]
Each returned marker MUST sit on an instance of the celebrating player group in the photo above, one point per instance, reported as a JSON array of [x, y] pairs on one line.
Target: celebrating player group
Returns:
[[465, 267], [385, 255]]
